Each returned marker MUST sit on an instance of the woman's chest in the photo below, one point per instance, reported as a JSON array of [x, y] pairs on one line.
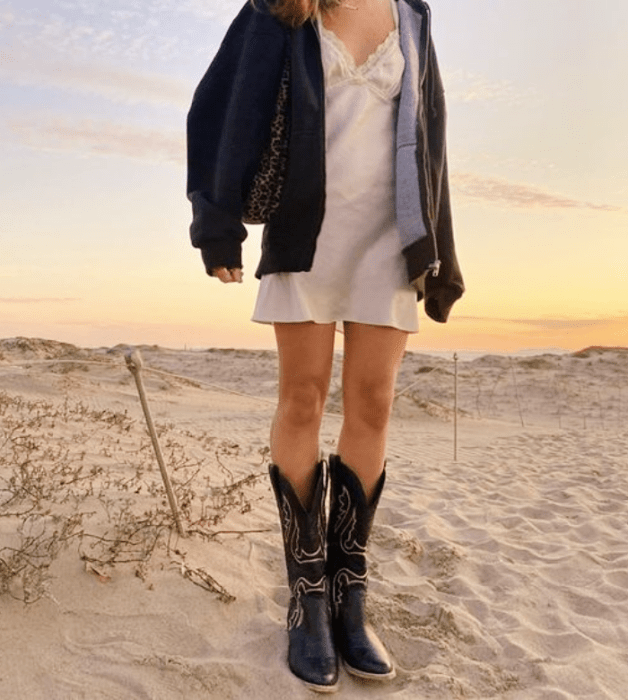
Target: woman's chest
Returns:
[[362, 31]]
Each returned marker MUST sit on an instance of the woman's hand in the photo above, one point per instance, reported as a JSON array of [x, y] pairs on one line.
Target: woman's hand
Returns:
[[227, 275]]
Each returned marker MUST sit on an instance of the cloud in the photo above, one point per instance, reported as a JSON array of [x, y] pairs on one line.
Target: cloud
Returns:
[[38, 300], [223, 11], [564, 324], [205, 9], [101, 138], [6, 18], [463, 86], [512, 194], [107, 138], [551, 324], [153, 31], [115, 84]]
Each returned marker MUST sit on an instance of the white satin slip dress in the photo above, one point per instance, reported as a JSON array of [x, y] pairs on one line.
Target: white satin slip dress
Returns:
[[358, 273]]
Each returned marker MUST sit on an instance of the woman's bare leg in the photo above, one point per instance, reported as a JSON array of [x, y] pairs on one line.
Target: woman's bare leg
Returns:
[[305, 362], [372, 358]]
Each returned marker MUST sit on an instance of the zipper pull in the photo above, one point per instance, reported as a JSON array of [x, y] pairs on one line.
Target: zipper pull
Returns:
[[434, 267]]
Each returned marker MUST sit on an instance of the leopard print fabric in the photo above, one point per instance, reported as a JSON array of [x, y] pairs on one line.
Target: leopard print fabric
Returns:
[[265, 193]]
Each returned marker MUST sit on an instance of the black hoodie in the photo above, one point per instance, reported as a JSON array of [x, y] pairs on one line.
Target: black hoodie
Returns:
[[228, 128]]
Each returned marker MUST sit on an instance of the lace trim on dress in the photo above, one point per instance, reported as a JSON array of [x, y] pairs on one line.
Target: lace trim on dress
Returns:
[[348, 56], [381, 71]]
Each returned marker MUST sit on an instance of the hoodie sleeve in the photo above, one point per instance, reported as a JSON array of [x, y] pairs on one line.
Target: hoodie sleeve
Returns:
[[443, 290], [227, 128]]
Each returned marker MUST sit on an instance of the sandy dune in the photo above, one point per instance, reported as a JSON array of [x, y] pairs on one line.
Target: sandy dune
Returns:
[[503, 574]]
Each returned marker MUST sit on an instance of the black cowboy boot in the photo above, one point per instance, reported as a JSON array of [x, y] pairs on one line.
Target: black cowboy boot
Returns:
[[311, 652], [350, 521]]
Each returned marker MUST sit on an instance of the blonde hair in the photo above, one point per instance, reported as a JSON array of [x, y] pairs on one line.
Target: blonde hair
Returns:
[[293, 12]]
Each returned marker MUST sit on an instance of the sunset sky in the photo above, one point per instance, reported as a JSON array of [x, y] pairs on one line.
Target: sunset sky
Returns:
[[94, 219]]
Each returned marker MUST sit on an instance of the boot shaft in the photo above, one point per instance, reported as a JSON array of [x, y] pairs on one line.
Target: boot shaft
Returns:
[[304, 540], [311, 651], [350, 523]]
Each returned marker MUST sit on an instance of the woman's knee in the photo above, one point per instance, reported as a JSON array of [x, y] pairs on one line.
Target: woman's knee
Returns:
[[369, 404], [301, 403]]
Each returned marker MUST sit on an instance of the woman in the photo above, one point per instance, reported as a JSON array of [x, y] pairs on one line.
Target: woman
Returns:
[[362, 230]]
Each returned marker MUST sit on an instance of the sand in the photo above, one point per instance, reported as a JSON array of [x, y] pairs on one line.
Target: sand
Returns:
[[503, 574]]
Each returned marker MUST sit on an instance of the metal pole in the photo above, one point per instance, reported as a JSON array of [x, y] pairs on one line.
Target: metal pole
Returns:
[[134, 363], [455, 407]]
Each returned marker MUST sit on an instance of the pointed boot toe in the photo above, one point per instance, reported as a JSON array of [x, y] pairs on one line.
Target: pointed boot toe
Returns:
[[311, 652], [366, 657]]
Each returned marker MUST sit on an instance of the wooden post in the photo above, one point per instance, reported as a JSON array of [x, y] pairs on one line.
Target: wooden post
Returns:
[[134, 363], [455, 407]]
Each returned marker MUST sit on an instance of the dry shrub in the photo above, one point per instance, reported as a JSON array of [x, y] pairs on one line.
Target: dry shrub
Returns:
[[72, 476]]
